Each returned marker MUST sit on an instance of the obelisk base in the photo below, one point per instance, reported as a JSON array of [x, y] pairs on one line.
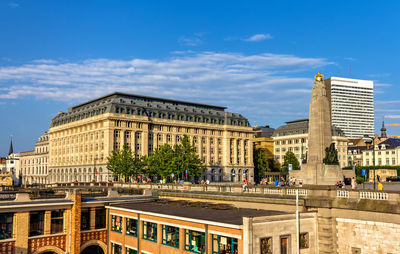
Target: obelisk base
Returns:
[[318, 174]]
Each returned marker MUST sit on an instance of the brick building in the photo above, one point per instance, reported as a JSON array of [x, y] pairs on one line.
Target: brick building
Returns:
[[74, 224], [165, 226]]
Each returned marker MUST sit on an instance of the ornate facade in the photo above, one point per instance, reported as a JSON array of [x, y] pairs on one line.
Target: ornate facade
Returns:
[[34, 163], [82, 138]]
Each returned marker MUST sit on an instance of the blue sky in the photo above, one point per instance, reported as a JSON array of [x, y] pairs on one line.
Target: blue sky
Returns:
[[257, 58]]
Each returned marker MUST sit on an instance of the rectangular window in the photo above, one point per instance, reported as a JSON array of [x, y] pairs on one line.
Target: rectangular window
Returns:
[[195, 241], [170, 236], [36, 223], [116, 248], [100, 218], [130, 251], [150, 231], [57, 221], [266, 245], [6, 225], [116, 223], [285, 244], [131, 227], [85, 219], [304, 241], [222, 244]]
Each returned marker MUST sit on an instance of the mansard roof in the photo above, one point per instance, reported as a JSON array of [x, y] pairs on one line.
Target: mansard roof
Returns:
[[154, 107], [301, 127], [390, 143]]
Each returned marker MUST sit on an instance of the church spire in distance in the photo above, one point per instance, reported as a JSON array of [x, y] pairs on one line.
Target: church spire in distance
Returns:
[[383, 130], [11, 151]]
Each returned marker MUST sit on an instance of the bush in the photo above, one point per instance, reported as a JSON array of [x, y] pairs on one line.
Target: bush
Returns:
[[360, 179]]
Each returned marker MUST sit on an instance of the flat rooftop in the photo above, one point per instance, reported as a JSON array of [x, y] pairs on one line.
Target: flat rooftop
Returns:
[[222, 213]]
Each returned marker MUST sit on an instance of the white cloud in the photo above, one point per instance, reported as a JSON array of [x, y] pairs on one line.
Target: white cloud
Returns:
[[392, 116], [378, 102], [259, 37], [45, 61], [258, 86], [192, 40], [13, 5]]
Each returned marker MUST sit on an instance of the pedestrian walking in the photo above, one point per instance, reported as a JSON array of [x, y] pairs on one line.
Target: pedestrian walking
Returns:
[[353, 183]]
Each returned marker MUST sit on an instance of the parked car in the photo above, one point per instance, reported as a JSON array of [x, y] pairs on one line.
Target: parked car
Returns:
[[393, 179]]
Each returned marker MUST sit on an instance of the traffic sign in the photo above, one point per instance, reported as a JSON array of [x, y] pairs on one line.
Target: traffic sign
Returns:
[[290, 167], [363, 172]]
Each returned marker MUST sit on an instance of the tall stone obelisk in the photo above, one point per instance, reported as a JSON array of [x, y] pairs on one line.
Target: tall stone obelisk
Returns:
[[320, 124], [319, 138]]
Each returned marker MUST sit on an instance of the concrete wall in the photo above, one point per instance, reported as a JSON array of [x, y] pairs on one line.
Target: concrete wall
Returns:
[[367, 236]]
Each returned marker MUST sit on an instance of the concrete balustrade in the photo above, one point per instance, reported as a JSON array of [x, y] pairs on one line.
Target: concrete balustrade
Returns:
[[374, 195], [306, 191], [342, 194]]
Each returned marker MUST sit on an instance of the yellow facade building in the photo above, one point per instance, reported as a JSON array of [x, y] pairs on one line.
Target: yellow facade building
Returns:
[[81, 139], [294, 137], [263, 140], [34, 164]]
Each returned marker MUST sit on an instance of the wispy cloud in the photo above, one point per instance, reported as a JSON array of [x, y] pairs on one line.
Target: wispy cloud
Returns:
[[242, 82], [13, 5], [382, 85], [45, 61], [192, 40], [392, 116], [379, 102], [259, 37]]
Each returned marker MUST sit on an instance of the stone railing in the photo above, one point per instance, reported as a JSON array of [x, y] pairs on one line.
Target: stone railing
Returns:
[[96, 234], [302, 192], [306, 191], [7, 246], [342, 194], [374, 195], [37, 242]]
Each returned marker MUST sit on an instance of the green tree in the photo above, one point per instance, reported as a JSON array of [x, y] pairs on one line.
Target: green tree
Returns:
[[187, 159], [261, 165], [121, 162], [139, 165], [162, 162], [290, 158], [274, 165]]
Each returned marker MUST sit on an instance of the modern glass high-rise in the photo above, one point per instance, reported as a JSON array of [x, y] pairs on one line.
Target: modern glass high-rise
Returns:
[[352, 105]]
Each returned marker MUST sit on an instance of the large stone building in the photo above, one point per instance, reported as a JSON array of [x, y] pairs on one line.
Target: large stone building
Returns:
[[387, 153], [34, 163], [294, 137], [263, 140], [352, 105], [82, 138]]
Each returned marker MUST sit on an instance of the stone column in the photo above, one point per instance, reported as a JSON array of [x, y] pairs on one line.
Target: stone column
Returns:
[[145, 141], [208, 151], [47, 222], [92, 218], [76, 224], [243, 152], [21, 232], [235, 151]]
